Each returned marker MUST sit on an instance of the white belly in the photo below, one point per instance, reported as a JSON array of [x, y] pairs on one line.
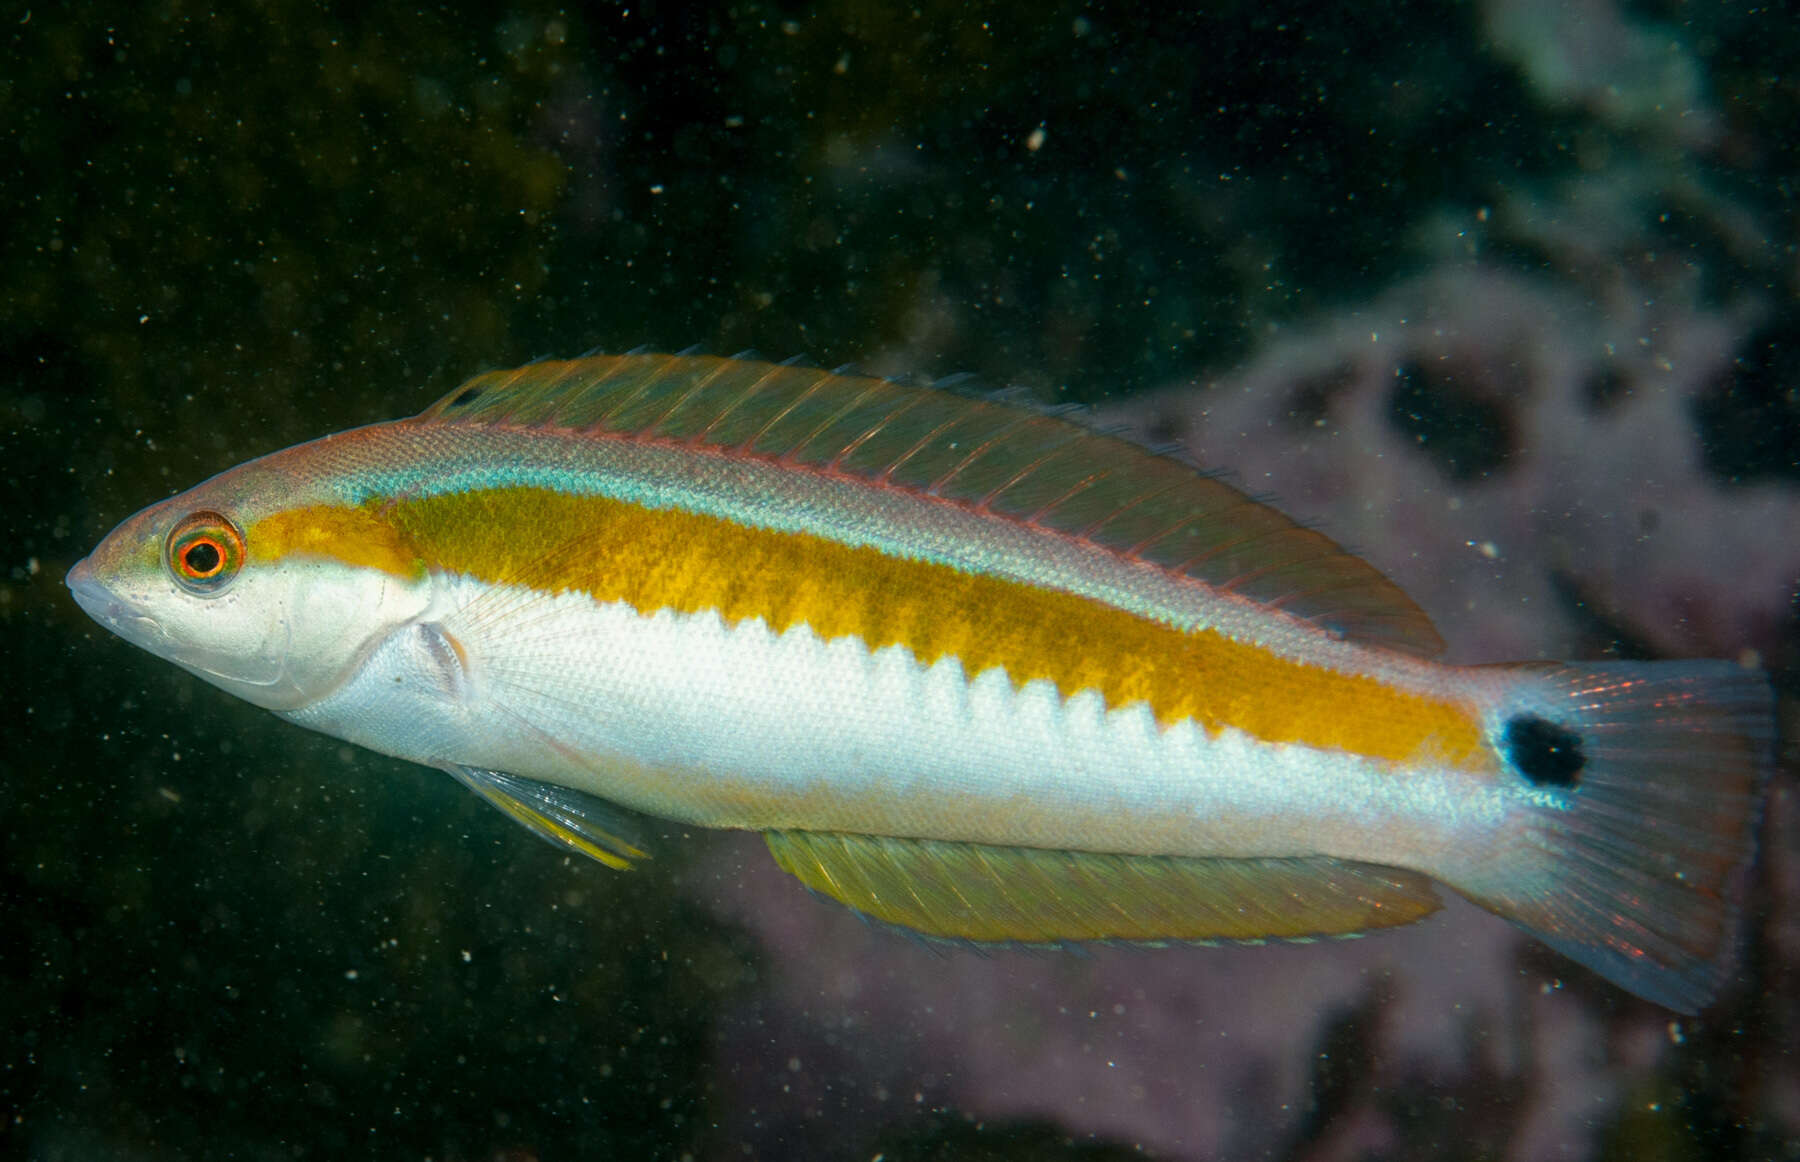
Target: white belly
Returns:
[[735, 726]]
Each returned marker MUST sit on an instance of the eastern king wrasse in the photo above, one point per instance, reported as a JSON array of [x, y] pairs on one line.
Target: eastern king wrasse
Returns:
[[971, 668]]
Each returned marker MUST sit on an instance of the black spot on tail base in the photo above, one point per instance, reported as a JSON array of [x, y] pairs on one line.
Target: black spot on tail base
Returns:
[[1545, 753]]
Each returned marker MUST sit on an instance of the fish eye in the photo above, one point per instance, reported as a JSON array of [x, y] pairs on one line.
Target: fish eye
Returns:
[[205, 551]]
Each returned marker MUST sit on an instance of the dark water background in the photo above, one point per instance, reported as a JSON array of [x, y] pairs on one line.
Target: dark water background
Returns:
[[230, 229]]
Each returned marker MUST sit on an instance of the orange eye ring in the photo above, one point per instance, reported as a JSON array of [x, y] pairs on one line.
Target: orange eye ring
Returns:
[[205, 551]]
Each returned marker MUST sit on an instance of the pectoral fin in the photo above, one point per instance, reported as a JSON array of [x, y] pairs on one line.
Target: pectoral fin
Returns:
[[968, 891], [582, 823]]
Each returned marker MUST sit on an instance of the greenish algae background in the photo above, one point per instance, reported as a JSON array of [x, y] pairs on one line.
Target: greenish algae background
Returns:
[[230, 229]]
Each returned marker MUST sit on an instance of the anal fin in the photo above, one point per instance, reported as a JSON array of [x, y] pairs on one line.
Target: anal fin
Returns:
[[968, 891], [579, 822]]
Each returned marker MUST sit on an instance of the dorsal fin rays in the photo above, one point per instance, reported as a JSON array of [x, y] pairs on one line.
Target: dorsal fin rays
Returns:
[[700, 384], [1017, 480], [875, 429], [938, 485], [600, 419], [919, 445], [795, 450], [1067, 495], [1021, 464], [749, 443]]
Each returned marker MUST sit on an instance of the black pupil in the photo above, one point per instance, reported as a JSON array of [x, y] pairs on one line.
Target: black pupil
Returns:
[[203, 558]]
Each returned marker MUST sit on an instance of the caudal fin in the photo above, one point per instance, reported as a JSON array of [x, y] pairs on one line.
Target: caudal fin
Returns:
[[1646, 781]]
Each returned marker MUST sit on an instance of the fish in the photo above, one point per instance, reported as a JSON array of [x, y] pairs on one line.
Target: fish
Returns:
[[971, 667]]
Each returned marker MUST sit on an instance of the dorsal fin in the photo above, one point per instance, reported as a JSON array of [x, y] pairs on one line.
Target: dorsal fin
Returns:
[[970, 891], [1028, 465]]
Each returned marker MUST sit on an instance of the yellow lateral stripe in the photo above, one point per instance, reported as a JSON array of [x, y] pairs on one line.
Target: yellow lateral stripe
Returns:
[[691, 562], [354, 536]]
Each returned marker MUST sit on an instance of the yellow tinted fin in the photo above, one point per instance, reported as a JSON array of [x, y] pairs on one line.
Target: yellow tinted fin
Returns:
[[968, 891], [581, 823]]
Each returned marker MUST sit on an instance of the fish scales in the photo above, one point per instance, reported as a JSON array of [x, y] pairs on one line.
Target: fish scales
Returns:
[[972, 668]]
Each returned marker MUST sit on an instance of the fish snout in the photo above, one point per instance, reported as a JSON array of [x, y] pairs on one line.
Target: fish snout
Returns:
[[104, 604], [93, 597]]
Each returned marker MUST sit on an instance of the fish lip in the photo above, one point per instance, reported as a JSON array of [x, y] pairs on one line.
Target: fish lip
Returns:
[[95, 599], [103, 605], [80, 578]]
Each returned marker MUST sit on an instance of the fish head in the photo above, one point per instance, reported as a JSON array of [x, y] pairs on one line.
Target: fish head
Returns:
[[255, 583]]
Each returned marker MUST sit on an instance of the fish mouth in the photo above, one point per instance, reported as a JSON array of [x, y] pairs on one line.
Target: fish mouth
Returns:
[[106, 607]]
